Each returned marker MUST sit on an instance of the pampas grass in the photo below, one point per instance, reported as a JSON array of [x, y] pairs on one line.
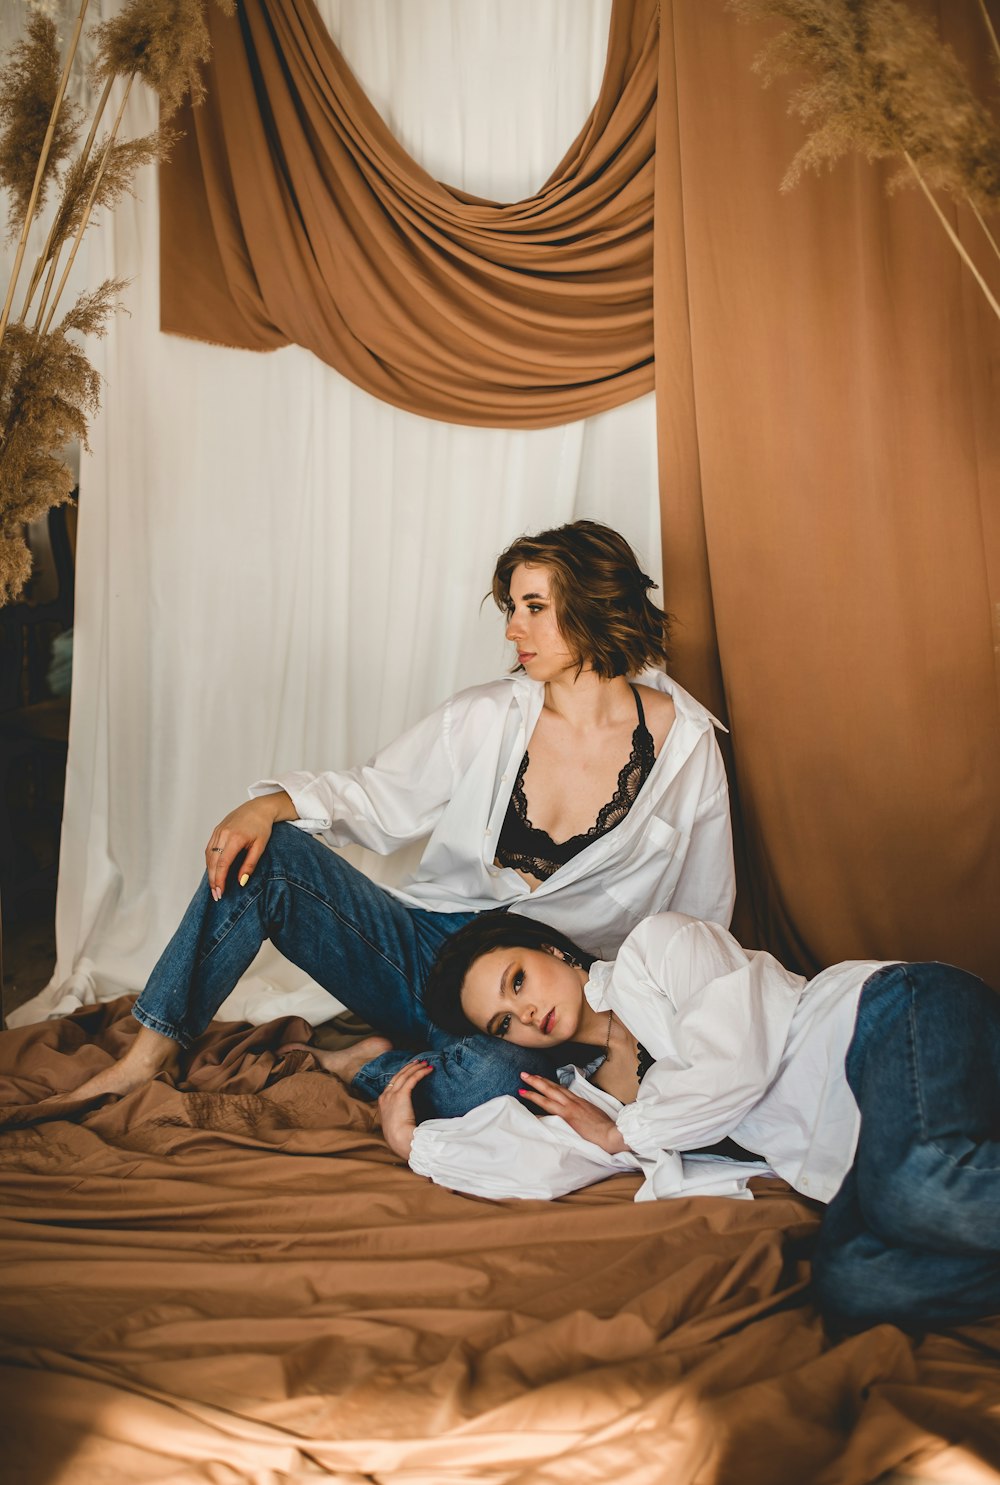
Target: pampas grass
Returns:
[[880, 80], [48, 393], [48, 389], [163, 42], [29, 86]]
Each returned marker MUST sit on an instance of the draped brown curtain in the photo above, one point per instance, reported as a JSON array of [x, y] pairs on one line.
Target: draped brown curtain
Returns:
[[827, 384], [826, 381], [290, 213]]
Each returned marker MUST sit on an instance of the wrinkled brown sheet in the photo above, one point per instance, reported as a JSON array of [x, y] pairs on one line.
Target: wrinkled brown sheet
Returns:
[[228, 1277]]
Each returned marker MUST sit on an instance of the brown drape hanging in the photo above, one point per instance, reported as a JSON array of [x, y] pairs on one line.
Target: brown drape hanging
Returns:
[[291, 214], [827, 376], [825, 379]]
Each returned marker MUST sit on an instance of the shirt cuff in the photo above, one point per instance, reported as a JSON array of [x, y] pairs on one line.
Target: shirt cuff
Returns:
[[297, 786], [647, 1142]]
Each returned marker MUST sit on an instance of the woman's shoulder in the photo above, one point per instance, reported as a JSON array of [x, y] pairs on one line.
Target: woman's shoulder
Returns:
[[660, 687], [658, 710]]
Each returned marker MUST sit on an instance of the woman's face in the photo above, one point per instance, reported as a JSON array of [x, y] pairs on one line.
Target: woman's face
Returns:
[[533, 625], [530, 997]]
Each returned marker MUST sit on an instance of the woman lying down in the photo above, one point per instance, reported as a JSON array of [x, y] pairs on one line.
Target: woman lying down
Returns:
[[874, 1088]]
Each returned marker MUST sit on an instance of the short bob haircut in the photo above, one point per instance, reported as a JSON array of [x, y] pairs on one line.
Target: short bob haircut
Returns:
[[487, 931], [601, 596]]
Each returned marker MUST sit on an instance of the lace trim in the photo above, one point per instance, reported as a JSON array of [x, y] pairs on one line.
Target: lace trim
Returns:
[[539, 854]]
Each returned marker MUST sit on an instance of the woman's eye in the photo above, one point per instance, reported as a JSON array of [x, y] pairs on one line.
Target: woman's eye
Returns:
[[518, 981], [503, 1027], [534, 608]]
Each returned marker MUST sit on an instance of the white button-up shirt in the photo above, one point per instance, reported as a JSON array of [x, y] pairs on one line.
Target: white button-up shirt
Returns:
[[451, 777], [742, 1048]]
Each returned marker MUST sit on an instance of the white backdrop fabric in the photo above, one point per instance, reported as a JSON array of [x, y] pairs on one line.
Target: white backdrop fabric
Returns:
[[276, 570]]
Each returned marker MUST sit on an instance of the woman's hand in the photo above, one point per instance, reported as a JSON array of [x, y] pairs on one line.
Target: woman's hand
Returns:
[[395, 1107], [246, 828], [590, 1123]]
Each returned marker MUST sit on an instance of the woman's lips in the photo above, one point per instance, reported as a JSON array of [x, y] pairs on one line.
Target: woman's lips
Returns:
[[548, 1023], [523, 656]]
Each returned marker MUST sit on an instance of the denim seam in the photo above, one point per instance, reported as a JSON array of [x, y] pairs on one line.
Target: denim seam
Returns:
[[945, 1155], [317, 897], [915, 1083]]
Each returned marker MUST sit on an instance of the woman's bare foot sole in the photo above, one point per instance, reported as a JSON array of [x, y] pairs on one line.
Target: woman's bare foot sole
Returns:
[[346, 1062]]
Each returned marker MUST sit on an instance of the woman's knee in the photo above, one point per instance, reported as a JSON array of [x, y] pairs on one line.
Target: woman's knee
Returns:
[[288, 841], [294, 853]]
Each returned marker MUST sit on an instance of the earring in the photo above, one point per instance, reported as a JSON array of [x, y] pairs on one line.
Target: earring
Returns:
[[562, 954]]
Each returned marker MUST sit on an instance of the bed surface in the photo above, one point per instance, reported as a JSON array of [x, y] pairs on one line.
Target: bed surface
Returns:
[[228, 1277]]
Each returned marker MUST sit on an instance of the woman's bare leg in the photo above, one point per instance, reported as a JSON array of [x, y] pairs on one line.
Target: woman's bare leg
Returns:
[[346, 1061], [150, 1051]]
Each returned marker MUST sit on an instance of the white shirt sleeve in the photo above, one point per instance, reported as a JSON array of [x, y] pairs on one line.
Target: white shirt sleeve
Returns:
[[706, 887], [501, 1149], [395, 798], [724, 1017]]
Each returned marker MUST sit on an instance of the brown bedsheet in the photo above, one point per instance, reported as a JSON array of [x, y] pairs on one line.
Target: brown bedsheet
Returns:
[[227, 1277]]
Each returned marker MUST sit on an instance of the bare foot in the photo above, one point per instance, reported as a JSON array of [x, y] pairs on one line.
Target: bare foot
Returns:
[[345, 1063], [147, 1055]]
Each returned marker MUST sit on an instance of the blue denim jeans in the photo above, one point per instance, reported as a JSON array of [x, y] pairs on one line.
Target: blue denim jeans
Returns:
[[354, 938], [913, 1235]]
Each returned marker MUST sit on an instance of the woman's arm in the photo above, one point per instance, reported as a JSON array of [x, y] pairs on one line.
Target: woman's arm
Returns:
[[499, 1149], [394, 798], [589, 1122], [387, 802], [246, 828], [720, 1016]]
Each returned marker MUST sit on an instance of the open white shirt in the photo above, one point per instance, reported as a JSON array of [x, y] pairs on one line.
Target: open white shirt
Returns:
[[742, 1048], [451, 777]]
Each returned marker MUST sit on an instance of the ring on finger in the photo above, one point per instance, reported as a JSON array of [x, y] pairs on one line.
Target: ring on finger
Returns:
[[215, 849]]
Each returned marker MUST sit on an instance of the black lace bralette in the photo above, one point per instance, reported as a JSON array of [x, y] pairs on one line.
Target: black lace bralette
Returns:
[[528, 849]]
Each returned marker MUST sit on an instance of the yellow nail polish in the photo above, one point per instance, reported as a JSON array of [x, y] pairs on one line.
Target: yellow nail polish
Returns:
[[244, 879]]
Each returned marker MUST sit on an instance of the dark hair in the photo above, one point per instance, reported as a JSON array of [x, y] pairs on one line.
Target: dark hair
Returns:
[[600, 593], [457, 955]]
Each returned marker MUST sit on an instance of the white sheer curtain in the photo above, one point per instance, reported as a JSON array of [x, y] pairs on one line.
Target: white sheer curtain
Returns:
[[276, 570]]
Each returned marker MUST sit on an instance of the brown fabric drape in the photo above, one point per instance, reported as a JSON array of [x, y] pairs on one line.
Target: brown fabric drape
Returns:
[[290, 213], [826, 377], [226, 1278]]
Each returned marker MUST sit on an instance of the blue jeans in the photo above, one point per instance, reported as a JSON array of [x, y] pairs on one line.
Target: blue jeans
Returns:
[[913, 1235], [356, 940]]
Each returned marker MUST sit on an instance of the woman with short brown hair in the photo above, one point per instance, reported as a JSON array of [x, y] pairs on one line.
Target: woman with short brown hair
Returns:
[[585, 787]]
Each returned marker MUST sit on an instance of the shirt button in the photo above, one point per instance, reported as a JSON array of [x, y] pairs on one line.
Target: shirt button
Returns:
[[503, 778]]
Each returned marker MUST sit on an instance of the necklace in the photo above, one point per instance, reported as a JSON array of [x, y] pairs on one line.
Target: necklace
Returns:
[[643, 1060]]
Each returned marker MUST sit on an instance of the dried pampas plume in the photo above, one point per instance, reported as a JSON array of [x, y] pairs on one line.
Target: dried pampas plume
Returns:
[[48, 393], [85, 181], [163, 42], [48, 389], [881, 81], [28, 88]]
